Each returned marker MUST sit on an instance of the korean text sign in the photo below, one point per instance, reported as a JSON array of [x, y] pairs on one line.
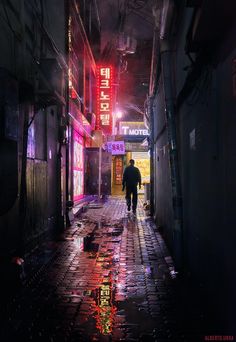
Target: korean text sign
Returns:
[[116, 147], [104, 98]]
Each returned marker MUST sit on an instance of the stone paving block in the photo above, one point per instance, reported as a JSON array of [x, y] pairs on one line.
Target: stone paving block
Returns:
[[106, 279]]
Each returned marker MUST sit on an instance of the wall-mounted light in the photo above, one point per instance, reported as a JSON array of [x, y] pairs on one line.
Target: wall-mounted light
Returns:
[[119, 114]]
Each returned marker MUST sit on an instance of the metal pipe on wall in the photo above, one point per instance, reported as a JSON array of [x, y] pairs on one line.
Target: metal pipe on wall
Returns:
[[99, 173], [166, 68], [151, 144]]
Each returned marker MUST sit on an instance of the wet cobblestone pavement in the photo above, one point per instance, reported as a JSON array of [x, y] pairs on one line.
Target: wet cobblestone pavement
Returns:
[[108, 278]]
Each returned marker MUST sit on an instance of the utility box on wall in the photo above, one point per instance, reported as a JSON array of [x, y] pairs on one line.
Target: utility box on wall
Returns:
[[92, 172]]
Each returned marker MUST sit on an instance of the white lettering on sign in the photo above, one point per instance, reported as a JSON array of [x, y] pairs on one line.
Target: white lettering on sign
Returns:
[[105, 119], [104, 106], [104, 96], [125, 130], [129, 131], [105, 72], [105, 84]]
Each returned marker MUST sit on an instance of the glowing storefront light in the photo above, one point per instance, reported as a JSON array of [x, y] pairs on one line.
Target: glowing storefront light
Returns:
[[133, 128], [119, 114], [78, 167], [116, 147]]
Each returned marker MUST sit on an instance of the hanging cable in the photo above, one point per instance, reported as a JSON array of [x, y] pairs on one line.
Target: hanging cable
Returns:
[[7, 20]]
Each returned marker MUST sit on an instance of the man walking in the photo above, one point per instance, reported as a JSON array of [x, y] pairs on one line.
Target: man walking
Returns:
[[131, 178]]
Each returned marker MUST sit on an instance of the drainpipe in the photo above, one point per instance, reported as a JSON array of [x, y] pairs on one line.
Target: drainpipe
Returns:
[[166, 66], [23, 175], [155, 74], [68, 203], [151, 144], [167, 15]]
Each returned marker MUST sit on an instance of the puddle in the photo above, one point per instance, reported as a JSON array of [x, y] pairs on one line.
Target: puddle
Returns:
[[95, 206], [116, 297]]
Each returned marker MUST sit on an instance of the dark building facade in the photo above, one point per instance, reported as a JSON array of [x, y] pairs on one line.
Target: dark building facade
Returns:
[[82, 90], [47, 70], [33, 105], [192, 120]]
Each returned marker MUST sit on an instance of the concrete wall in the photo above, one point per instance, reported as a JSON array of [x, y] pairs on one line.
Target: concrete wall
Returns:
[[206, 124], [23, 45], [163, 210], [208, 163]]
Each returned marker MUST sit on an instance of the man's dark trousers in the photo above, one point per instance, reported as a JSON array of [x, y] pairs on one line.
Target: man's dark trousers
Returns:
[[132, 190]]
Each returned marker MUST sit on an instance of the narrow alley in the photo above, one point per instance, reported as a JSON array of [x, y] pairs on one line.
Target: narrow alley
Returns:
[[117, 170], [108, 278], [100, 281]]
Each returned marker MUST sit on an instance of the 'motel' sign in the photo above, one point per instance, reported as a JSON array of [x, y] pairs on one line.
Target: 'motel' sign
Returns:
[[133, 128]]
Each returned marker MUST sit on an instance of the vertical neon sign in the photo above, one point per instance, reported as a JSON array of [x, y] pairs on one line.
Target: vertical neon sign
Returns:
[[104, 98]]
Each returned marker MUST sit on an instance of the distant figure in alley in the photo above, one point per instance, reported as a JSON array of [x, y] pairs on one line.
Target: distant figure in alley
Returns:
[[131, 179]]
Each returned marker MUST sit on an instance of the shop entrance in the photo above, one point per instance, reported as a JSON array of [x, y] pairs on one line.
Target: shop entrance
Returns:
[[142, 161], [118, 163]]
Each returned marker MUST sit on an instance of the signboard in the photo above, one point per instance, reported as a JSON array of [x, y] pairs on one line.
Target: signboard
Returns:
[[104, 98], [80, 123], [135, 147], [118, 170], [133, 128], [116, 147], [78, 167]]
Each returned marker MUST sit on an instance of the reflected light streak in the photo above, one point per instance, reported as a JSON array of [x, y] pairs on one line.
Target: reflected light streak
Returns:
[[105, 309]]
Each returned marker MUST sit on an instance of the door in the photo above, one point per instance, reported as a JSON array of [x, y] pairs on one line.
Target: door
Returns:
[[92, 171]]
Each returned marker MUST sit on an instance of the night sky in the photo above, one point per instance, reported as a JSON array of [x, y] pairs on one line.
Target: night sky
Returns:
[[135, 19]]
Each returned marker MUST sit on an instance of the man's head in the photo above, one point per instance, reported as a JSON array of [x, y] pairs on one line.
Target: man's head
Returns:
[[131, 162]]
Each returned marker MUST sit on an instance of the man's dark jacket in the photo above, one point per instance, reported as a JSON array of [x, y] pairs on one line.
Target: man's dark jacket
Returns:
[[131, 177]]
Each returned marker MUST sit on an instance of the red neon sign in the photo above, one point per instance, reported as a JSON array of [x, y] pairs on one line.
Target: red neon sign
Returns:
[[104, 98]]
